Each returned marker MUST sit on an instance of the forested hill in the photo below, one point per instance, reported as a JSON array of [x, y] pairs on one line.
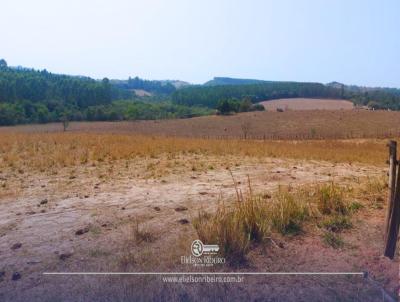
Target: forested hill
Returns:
[[32, 96], [210, 95], [27, 95], [22, 84]]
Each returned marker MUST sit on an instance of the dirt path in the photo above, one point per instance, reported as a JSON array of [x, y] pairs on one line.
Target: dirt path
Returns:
[[40, 225]]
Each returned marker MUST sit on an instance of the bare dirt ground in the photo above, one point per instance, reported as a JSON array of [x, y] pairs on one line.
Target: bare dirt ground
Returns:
[[307, 104], [311, 124], [141, 92], [42, 217]]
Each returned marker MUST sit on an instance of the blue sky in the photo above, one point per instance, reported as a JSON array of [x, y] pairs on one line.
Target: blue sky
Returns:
[[353, 41]]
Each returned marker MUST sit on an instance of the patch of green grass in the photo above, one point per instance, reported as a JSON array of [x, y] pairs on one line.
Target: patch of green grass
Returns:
[[333, 240], [355, 206], [98, 253], [337, 223]]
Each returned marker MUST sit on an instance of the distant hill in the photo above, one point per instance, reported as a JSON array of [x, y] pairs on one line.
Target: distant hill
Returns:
[[33, 96], [176, 83], [220, 81]]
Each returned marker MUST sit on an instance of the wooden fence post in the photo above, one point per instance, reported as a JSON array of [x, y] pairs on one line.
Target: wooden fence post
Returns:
[[392, 180], [393, 211]]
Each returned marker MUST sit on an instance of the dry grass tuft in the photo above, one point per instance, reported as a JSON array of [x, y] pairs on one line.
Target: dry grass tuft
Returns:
[[374, 191], [287, 211], [235, 227], [225, 229], [253, 218], [142, 235], [331, 200]]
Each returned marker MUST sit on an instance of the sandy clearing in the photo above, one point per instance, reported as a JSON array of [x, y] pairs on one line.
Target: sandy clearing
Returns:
[[299, 104]]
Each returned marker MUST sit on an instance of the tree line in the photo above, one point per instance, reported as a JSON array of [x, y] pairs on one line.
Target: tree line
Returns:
[[210, 96], [163, 87], [233, 105], [378, 98]]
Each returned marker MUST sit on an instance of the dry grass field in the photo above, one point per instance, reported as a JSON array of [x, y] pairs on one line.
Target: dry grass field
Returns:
[[289, 125], [85, 201], [307, 104], [51, 150]]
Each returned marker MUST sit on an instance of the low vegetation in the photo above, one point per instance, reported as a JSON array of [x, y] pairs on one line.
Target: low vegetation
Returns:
[[234, 228], [255, 218], [229, 106], [337, 223]]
